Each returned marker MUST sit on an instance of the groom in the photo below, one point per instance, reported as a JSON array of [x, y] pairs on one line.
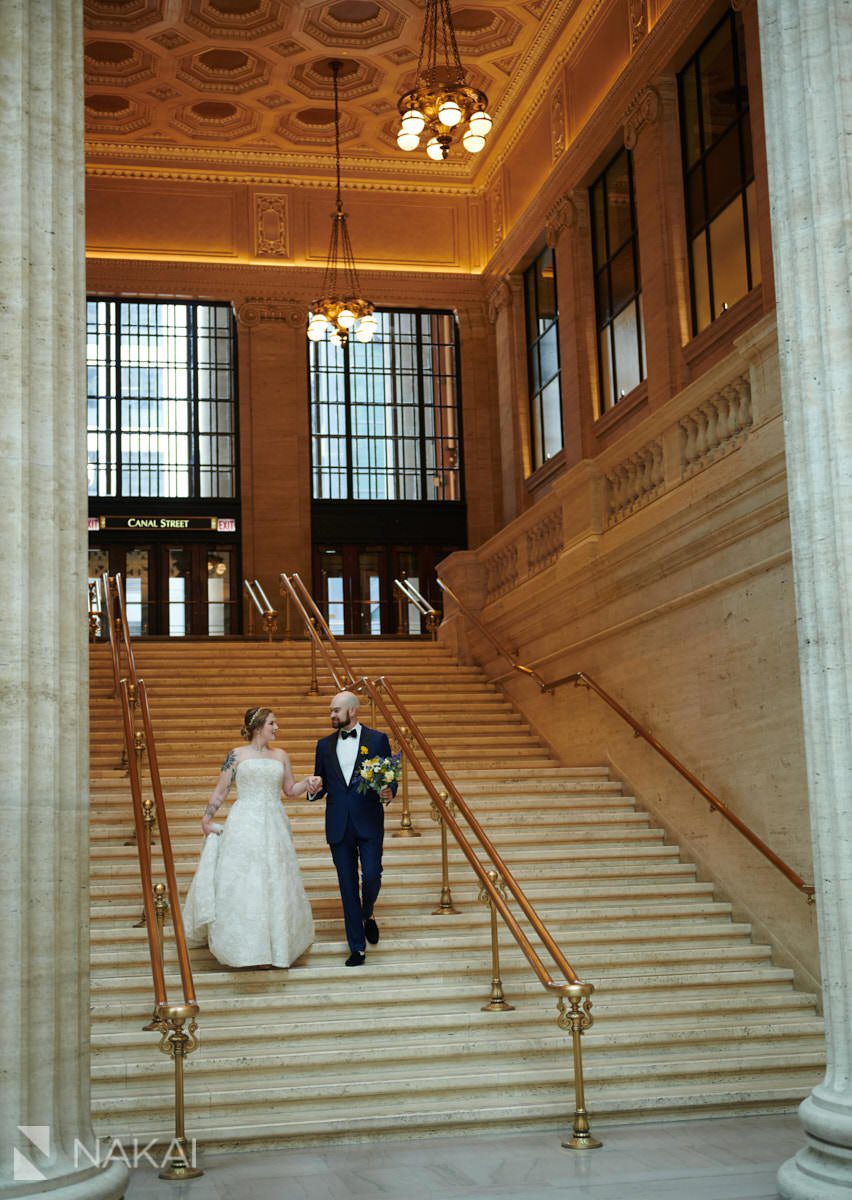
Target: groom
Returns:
[[354, 821]]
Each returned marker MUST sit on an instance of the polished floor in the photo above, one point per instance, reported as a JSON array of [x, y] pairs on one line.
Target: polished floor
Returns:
[[723, 1159]]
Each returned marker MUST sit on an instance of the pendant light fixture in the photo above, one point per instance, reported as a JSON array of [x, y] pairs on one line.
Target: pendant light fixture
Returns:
[[441, 101], [340, 310]]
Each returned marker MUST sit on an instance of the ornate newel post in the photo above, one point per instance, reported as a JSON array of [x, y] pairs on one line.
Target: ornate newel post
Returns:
[[44, 934], [806, 48]]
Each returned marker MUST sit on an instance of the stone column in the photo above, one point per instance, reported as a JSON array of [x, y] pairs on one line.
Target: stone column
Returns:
[[275, 474], [567, 232], [651, 133], [506, 313], [44, 928], [806, 48]]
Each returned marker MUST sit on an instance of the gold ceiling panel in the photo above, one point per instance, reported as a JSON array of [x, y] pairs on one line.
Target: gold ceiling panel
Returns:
[[204, 80]]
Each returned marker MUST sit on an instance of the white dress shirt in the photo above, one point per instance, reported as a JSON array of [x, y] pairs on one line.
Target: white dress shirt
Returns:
[[347, 753]]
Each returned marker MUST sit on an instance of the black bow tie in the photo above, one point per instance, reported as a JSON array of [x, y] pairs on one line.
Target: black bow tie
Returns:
[[350, 733]]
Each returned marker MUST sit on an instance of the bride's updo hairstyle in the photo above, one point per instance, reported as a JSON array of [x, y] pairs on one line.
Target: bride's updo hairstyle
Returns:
[[254, 720]]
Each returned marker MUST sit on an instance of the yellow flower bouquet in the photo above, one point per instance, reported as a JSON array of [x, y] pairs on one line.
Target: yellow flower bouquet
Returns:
[[377, 773]]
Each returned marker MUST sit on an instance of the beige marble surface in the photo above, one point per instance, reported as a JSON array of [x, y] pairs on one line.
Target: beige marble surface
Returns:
[[807, 48], [688, 1160], [43, 637]]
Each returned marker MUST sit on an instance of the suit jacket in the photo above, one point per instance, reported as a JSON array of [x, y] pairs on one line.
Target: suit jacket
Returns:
[[344, 800]]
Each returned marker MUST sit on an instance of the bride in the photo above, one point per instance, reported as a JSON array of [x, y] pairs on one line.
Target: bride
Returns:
[[247, 899]]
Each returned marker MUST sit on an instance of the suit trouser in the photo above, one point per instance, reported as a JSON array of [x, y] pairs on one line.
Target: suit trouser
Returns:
[[357, 902]]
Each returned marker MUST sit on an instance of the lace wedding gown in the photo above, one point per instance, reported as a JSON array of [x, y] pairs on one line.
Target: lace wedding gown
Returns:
[[247, 900]]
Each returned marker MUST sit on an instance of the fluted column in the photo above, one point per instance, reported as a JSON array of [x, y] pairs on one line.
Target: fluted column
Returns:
[[806, 47], [506, 313], [44, 854]]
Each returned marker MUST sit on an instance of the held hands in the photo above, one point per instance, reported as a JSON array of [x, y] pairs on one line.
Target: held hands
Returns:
[[208, 826], [314, 783]]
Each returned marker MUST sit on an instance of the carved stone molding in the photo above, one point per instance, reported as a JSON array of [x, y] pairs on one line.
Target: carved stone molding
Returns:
[[563, 215], [257, 310], [496, 206], [499, 297], [644, 110], [638, 22], [271, 226], [557, 122]]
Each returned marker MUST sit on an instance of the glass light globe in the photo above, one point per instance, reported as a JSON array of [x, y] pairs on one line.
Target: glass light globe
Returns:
[[480, 124], [434, 149], [346, 319], [413, 121], [364, 335], [473, 142], [449, 113], [336, 339], [316, 332], [407, 141]]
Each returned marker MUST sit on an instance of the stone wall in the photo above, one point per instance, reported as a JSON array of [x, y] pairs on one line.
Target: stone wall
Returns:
[[663, 569]]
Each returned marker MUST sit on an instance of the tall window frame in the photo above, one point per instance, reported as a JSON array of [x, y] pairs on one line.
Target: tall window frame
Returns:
[[718, 173], [544, 372], [386, 415], [162, 400], [618, 281]]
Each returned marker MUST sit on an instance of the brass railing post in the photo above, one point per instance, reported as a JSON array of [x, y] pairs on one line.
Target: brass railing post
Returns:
[[497, 1001], [401, 622], [314, 688], [161, 909], [149, 817], [576, 1022], [406, 828], [288, 628], [446, 907], [270, 623], [179, 1042]]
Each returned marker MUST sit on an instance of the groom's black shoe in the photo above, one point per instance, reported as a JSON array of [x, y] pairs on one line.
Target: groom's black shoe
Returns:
[[371, 931], [356, 959]]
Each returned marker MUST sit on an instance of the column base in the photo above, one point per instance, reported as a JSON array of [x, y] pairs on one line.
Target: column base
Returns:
[[108, 1183], [823, 1169]]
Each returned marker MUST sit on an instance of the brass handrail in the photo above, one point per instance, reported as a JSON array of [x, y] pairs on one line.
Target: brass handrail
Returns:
[[169, 1019], [383, 684], [581, 679], [113, 640], [313, 618], [173, 893], [575, 995], [498, 646], [157, 972], [125, 629], [414, 596], [268, 614]]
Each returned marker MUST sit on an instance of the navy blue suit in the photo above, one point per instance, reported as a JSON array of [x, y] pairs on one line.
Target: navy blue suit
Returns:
[[354, 828]]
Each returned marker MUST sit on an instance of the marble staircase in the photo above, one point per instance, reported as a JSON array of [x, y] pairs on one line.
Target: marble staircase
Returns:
[[692, 1017]]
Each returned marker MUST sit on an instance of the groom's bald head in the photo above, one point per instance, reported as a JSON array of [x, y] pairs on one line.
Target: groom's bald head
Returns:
[[344, 710]]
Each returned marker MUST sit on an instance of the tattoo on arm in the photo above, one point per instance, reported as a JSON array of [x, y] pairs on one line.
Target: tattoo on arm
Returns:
[[230, 764], [211, 809]]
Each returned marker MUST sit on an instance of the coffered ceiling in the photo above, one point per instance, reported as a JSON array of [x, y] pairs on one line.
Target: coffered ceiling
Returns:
[[244, 85]]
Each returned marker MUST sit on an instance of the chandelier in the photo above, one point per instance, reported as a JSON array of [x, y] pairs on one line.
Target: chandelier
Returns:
[[340, 310], [441, 101]]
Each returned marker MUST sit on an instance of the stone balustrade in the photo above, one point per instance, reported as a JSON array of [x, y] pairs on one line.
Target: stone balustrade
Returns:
[[710, 419]]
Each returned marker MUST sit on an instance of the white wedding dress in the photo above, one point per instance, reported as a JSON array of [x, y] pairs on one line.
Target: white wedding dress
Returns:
[[247, 900]]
